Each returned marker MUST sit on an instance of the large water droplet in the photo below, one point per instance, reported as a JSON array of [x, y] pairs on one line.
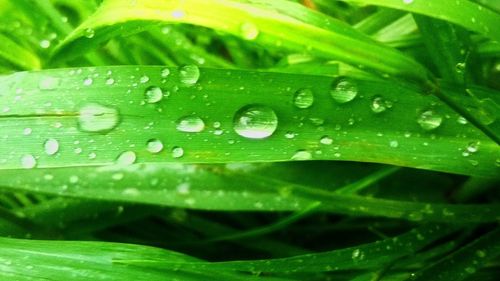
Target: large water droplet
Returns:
[[303, 98], [154, 145], [473, 147], [189, 74], [126, 158], [190, 124], [249, 31], [97, 118], [429, 120], [51, 146], [153, 94], [326, 140], [344, 90], [28, 161], [255, 121]]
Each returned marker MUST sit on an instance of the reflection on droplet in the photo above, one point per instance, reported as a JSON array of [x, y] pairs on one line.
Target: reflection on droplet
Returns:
[[190, 124], [51, 146], [255, 121], [379, 104], [154, 145], [344, 90], [189, 74], [94, 117], [429, 120], [303, 98]]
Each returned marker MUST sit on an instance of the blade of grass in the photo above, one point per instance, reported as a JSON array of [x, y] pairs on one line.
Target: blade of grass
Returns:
[[328, 130], [467, 14], [278, 23]]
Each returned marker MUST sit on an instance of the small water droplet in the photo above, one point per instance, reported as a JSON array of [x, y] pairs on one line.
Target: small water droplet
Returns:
[[394, 144], [470, 270], [110, 81], [473, 147], [190, 124], [94, 117], [326, 140], [481, 253], [429, 120], [49, 83], [290, 135], [89, 33], [28, 161], [249, 31], [88, 81], [177, 152], [344, 90], [51, 146], [189, 74], [255, 121], [461, 120], [303, 98], [153, 94], [44, 44], [407, 1], [302, 155], [165, 73], [126, 158], [154, 145], [379, 104], [27, 131], [144, 79], [357, 255]]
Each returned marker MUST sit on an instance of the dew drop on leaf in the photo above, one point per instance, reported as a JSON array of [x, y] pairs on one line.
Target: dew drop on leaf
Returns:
[[165, 73], [89, 33], [154, 145], [255, 121], [189, 74], [153, 94], [344, 90], [379, 104], [326, 140], [144, 79], [473, 147], [190, 124], [303, 98], [429, 120], [51, 146], [94, 117], [302, 155], [177, 152], [249, 31], [126, 158], [48, 83], [28, 161]]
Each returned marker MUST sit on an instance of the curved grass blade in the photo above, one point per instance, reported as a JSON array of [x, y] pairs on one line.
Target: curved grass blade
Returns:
[[276, 24], [467, 14], [186, 187], [105, 115], [463, 263], [18, 55]]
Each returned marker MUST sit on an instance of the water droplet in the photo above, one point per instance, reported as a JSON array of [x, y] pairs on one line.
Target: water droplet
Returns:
[[97, 118], [302, 155], [480, 253], [48, 83], [461, 120], [27, 131], [249, 31], [153, 94], [44, 44], [357, 255], [165, 73], [303, 98], [470, 270], [183, 188], [177, 152], [88, 81], [290, 135], [429, 120], [473, 147], [394, 144], [110, 81], [126, 158], [326, 140], [144, 79], [89, 33], [189, 74], [460, 67], [407, 1], [51, 146], [190, 124], [154, 145], [255, 121], [344, 90], [28, 161], [379, 104]]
